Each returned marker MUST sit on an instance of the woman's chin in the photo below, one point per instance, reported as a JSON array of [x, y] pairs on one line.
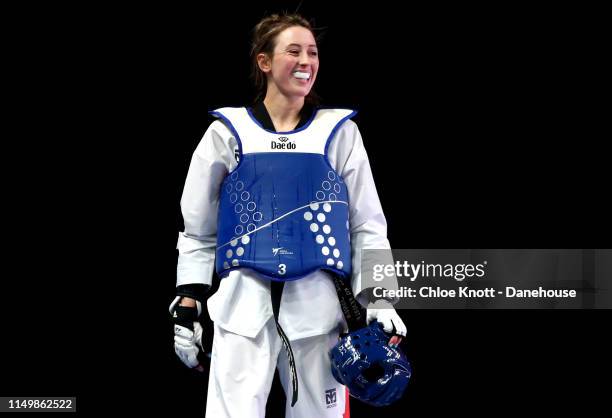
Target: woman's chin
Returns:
[[303, 92]]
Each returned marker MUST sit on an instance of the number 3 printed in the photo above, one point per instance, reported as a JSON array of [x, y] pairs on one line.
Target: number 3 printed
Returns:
[[282, 268]]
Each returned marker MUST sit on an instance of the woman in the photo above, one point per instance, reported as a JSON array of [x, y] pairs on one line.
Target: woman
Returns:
[[279, 198]]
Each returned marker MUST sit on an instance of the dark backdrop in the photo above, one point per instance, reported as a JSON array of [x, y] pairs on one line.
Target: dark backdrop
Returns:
[[480, 124]]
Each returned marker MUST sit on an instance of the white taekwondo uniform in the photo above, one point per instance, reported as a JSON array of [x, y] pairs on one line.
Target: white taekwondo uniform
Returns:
[[246, 345]]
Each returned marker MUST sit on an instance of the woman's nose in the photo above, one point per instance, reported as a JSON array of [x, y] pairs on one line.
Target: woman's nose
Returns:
[[304, 58]]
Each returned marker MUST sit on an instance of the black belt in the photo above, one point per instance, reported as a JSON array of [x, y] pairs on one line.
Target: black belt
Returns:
[[277, 292], [353, 312]]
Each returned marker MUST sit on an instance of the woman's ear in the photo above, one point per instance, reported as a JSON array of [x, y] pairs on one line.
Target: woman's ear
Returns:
[[263, 61]]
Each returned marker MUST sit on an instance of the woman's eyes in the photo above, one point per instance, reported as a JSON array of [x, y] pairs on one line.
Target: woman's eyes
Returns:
[[297, 52]]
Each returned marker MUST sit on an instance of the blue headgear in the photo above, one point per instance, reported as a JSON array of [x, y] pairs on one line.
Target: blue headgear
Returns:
[[372, 371]]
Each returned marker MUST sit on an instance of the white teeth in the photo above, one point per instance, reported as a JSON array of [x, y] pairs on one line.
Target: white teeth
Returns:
[[299, 74]]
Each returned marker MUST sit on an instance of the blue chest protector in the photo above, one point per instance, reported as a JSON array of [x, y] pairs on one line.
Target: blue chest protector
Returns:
[[283, 211]]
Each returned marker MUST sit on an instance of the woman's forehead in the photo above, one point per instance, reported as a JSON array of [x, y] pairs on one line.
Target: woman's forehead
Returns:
[[295, 35]]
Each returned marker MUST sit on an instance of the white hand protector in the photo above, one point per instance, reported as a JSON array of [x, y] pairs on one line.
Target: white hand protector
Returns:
[[187, 344], [385, 313], [187, 341]]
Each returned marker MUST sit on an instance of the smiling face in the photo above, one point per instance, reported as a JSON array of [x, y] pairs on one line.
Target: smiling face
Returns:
[[292, 68]]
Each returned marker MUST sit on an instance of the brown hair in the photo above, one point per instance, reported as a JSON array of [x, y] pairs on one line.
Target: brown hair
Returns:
[[264, 41]]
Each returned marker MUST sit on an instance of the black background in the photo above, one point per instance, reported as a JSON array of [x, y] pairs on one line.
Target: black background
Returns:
[[481, 128]]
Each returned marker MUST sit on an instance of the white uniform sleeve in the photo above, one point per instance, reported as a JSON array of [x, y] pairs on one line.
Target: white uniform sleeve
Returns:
[[210, 163], [368, 225]]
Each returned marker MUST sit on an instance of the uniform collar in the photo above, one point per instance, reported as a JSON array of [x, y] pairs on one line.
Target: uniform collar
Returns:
[[260, 113]]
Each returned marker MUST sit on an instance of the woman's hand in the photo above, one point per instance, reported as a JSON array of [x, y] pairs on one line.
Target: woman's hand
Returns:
[[385, 313], [187, 332]]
